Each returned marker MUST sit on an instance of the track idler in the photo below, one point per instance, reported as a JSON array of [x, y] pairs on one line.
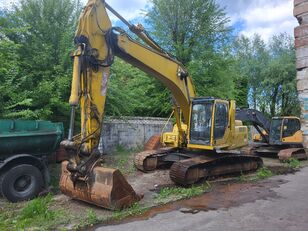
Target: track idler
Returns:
[[104, 187]]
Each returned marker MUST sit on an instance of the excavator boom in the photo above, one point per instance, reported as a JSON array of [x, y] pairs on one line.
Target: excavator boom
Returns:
[[97, 43], [204, 126]]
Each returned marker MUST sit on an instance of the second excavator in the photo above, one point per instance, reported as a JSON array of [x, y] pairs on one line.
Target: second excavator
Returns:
[[281, 136], [202, 143]]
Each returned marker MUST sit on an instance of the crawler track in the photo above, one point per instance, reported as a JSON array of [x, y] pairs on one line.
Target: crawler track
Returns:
[[190, 171], [151, 159], [196, 166]]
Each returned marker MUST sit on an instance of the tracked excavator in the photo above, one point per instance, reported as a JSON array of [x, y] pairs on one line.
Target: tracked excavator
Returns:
[[281, 136], [203, 139]]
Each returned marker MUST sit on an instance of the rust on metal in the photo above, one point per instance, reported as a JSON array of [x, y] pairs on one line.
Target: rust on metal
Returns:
[[61, 154], [151, 159], [248, 150], [153, 143], [103, 187], [297, 153]]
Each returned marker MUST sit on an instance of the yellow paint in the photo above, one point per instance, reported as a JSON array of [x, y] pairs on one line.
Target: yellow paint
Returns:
[[90, 88], [296, 138], [199, 146]]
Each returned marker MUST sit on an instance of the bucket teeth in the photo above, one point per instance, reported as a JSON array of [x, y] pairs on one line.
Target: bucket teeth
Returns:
[[104, 187]]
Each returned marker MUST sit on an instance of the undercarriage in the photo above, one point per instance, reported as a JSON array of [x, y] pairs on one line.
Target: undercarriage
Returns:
[[188, 167]]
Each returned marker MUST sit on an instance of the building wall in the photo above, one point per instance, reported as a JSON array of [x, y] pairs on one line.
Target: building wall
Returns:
[[301, 45], [131, 132]]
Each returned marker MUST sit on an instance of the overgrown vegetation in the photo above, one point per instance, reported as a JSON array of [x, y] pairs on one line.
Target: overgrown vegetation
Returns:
[[176, 193], [262, 173], [135, 209], [35, 67], [90, 219], [122, 159], [35, 215], [293, 163]]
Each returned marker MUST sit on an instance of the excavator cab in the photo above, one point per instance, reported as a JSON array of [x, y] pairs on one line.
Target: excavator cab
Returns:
[[208, 123], [211, 123], [285, 130]]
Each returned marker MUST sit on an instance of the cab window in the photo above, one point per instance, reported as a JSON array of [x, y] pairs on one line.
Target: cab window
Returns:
[[290, 127], [221, 120]]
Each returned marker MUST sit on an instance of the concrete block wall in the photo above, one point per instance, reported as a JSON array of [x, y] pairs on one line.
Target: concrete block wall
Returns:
[[131, 132], [301, 45]]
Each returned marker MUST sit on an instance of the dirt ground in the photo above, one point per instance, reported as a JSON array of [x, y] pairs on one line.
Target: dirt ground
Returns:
[[146, 184]]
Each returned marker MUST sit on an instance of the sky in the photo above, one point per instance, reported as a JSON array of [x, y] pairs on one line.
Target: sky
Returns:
[[265, 17]]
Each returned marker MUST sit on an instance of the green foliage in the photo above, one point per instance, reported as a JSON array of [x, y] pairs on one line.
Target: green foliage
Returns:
[[132, 92], [92, 217], [264, 172], [135, 209], [122, 159], [35, 215], [196, 33], [37, 40], [176, 193], [267, 74], [293, 163]]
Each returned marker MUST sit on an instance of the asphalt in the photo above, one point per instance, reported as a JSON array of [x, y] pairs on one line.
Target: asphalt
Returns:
[[286, 209]]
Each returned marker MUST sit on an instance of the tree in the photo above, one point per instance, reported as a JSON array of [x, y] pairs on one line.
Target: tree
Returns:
[[252, 57], [279, 84], [43, 32], [196, 32], [269, 71]]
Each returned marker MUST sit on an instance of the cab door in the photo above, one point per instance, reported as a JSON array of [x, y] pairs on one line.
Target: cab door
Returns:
[[221, 121]]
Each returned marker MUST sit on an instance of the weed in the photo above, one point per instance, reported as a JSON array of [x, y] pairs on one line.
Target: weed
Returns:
[[122, 159], [135, 209], [92, 217], [55, 170], [263, 173], [293, 163], [176, 193], [35, 215], [243, 178]]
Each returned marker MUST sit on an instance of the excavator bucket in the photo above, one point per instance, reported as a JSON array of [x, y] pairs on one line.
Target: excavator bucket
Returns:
[[297, 153], [105, 187]]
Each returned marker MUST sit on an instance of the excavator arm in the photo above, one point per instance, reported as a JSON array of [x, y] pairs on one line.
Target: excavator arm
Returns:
[[97, 43]]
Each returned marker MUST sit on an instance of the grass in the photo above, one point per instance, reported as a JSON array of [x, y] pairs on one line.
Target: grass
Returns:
[[262, 173], [135, 209], [55, 171], [293, 163], [177, 193], [35, 215], [92, 219], [122, 159]]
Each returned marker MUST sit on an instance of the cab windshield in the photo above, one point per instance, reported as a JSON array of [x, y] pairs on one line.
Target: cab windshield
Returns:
[[200, 127]]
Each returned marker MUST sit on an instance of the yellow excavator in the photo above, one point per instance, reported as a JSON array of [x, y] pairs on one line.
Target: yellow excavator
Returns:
[[203, 139], [281, 136]]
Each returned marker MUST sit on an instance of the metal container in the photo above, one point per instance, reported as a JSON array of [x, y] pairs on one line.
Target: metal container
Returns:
[[35, 137]]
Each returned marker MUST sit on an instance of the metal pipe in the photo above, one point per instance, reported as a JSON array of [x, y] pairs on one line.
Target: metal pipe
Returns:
[[118, 15], [72, 122]]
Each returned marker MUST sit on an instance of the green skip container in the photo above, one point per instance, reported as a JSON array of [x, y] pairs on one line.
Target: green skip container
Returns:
[[35, 137]]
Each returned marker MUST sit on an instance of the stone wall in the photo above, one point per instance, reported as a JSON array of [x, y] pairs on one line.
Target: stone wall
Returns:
[[131, 132], [301, 45]]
